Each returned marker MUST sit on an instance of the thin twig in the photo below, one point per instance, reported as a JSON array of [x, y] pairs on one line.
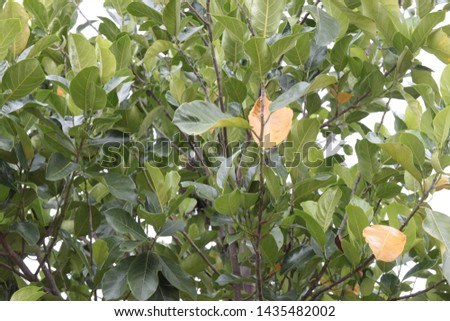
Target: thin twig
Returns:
[[405, 297], [216, 69], [247, 18], [200, 252], [355, 103], [194, 70], [13, 270], [88, 21], [258, 236]]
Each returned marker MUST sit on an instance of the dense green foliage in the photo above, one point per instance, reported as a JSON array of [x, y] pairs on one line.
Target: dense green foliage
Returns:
[[128, 168]]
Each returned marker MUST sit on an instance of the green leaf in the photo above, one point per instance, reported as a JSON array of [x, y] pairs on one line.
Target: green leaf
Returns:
[[106, 59], [320, 82], [9, 29], [143, 276], [259, 54], [282, 45], [351, 252], [202, 190], [120, 186], [122, 222], [424, 28], [120, 5], [339, 53], [28, 231], [24, 140], [13, 9], [356, 222], [367, 159], [238, 30], [171, 17], [265, 16], [235, 90], [441, 125], [172, 227], [327, 27], [22, 78], [295, 258], [121, 48], [229, 203], [114, 282], [139, 9], [299, 54], [404, 156], [177, 277], [416, 146], [59, 167], [438, 44], [41, 45], [292, 94], [438, 226], [37, 9], [273, 182], [157, 47], [86, 92], [420, 267], [313, 228], [81, 53], [157, 220], [84, 216], [301, 89], [424, 7], [158, 182], [327, 205], [198, 117], [28, 293], [445, 85], [269, 249], [100, 251]]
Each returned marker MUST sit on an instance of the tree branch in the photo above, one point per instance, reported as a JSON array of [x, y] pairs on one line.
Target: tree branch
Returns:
[[409, 296], [259, 279], [200, 252]]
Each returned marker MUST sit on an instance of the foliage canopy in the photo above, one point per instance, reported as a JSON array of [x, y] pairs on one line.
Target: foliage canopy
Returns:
[[130, 166]]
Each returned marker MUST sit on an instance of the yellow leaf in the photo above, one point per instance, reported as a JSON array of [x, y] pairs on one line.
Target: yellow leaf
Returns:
[[343, 97], [15, 10], [442, 183], [276, 125], [386, 242]]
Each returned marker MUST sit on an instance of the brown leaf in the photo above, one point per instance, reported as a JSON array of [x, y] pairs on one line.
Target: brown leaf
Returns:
[[277, 125], [442, 183], [386, 242], [343, 97]]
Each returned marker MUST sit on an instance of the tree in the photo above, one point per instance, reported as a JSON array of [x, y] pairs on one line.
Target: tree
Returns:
[[188, 151]]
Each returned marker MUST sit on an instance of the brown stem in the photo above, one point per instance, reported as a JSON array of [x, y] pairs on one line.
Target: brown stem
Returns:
[[48, 274], [356, 103], [247, 18], [216, 69], [259, 279], [17, 259], [200, 252]]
